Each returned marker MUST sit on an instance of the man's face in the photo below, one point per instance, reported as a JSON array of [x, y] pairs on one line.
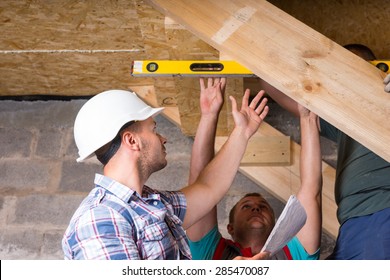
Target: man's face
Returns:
[[252, 213], [153, 153]]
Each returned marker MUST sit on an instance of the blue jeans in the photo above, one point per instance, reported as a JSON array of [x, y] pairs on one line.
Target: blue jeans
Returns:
[[364, 238]]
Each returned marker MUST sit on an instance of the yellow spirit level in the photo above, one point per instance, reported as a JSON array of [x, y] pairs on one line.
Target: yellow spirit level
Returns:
[[189, 68], [210, 68], [384, 65]]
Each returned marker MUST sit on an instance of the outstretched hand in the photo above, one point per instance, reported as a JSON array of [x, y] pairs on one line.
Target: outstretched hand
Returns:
[[250, 115], [211, 96], [387, 83]]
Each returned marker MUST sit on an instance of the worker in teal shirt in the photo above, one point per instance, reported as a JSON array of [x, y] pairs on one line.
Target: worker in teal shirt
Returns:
[[252, 218]]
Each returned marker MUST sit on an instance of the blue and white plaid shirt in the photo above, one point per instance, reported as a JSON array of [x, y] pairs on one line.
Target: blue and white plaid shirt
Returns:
[[114, 222]]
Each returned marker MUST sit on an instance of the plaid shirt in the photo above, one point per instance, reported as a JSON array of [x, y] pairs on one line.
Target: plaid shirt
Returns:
[[114, 222]]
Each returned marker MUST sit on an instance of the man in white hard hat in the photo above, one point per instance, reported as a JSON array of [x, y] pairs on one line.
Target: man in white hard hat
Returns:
[[121, 218]]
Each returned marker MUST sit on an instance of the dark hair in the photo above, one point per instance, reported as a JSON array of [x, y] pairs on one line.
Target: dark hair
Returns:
[[105, 153], [361, 50], [231, 213]]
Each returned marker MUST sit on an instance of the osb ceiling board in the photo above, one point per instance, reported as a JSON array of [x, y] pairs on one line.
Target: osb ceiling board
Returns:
[[74, 47], [77, 48], [95, 36]]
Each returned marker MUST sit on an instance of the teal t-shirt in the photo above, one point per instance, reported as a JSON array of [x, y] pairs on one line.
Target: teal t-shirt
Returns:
[[362, 184], [204, 249]]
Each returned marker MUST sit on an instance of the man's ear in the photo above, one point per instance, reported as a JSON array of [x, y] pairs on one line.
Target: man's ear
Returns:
[[230, 229], [131, 140]]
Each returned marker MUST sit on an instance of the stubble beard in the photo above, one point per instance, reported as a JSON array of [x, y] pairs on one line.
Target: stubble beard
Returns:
[[148, 165]]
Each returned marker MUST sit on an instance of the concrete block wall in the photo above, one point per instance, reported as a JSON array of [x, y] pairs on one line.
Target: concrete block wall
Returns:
[[41, 184]]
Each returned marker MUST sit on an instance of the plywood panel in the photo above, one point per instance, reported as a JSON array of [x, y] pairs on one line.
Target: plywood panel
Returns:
[[68, 47], [188, 91], [309, 67], [66, 73], [183, 45], [69, 25]]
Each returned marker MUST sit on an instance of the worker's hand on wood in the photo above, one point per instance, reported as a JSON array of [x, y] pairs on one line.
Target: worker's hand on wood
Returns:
[[304, 112], [387, 83]]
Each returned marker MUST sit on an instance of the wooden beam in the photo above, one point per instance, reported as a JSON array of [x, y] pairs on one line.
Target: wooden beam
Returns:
[[339, 86]]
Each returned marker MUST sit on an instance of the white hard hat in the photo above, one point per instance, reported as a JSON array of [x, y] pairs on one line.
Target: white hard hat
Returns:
[[102, 116]]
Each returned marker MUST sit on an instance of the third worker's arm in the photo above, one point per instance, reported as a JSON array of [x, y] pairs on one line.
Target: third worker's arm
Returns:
[[309, 193]]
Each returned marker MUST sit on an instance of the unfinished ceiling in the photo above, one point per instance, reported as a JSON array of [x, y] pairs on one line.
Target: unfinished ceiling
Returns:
[[68, 47]]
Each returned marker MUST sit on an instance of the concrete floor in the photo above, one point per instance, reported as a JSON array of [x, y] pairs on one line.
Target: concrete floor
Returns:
[[41, 184]]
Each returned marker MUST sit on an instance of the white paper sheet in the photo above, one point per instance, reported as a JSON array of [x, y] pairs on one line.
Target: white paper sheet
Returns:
[[290, 222]]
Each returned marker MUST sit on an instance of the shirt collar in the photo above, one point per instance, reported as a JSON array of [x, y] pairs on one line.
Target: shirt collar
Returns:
[[121, 191]]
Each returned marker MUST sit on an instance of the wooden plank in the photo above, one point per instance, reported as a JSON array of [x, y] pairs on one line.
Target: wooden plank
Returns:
[[271, 150], [309, 67], [264, 150], [345, 21]]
